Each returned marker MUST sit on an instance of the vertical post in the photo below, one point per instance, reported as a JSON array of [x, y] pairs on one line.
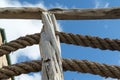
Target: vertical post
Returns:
[[50, 49], [3, 59]]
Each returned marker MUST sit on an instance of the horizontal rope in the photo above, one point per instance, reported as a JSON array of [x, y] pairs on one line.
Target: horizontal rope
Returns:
[[69, 38], [83, 66], [89, 41]]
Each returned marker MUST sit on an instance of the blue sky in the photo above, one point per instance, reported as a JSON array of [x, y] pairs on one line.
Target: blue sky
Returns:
[[102, 28], [75, 3]]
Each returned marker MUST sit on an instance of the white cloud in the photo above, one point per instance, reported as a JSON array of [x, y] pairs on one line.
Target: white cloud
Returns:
[[35, 76], [16, 28], [57, 5], [96, 4], [109, 79], [16, 3], [106, 5], [101, 4], [31, 52]]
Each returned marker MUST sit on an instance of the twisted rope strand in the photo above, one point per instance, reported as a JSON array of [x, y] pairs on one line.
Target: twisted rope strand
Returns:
[[83, 66], [21, 42], [89, 41], [69, 38]]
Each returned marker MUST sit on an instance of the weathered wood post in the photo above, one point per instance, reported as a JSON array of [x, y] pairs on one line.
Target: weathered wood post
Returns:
[[50, 49]]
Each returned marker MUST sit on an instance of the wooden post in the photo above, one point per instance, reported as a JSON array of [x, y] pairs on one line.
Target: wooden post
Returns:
[[50, 49], [3, 59]]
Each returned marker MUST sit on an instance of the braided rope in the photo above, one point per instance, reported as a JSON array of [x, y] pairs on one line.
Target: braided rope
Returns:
[[83, 66], [87, 41], [21, 42]]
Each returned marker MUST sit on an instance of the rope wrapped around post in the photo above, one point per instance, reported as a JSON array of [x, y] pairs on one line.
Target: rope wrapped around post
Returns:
[[69, 38], [83, 66]]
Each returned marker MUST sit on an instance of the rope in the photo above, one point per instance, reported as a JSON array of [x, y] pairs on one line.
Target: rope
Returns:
[[83, 66], [69, 38], [21, 42], [89, 41]]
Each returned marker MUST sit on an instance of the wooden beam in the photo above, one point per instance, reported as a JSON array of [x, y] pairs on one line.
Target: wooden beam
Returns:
[[61, 14], [50, 49], [20, 13]]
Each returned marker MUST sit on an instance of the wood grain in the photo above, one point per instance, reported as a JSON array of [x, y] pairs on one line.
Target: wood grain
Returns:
[[60, 14], [50, 49]]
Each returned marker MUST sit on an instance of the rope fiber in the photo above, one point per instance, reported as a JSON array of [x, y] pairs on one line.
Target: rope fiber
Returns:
[[83, 66], [69, 38]]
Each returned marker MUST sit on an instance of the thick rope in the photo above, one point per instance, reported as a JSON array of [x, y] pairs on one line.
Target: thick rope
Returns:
[[83, 66], [69, 38], [89, 41]]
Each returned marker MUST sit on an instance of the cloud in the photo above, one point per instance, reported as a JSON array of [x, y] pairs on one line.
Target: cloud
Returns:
[[30, 52], [57, 5], [101, 4], [109, 79], [35, 76], [97, 4], [106, 5], [16, 28], [16, 3]]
